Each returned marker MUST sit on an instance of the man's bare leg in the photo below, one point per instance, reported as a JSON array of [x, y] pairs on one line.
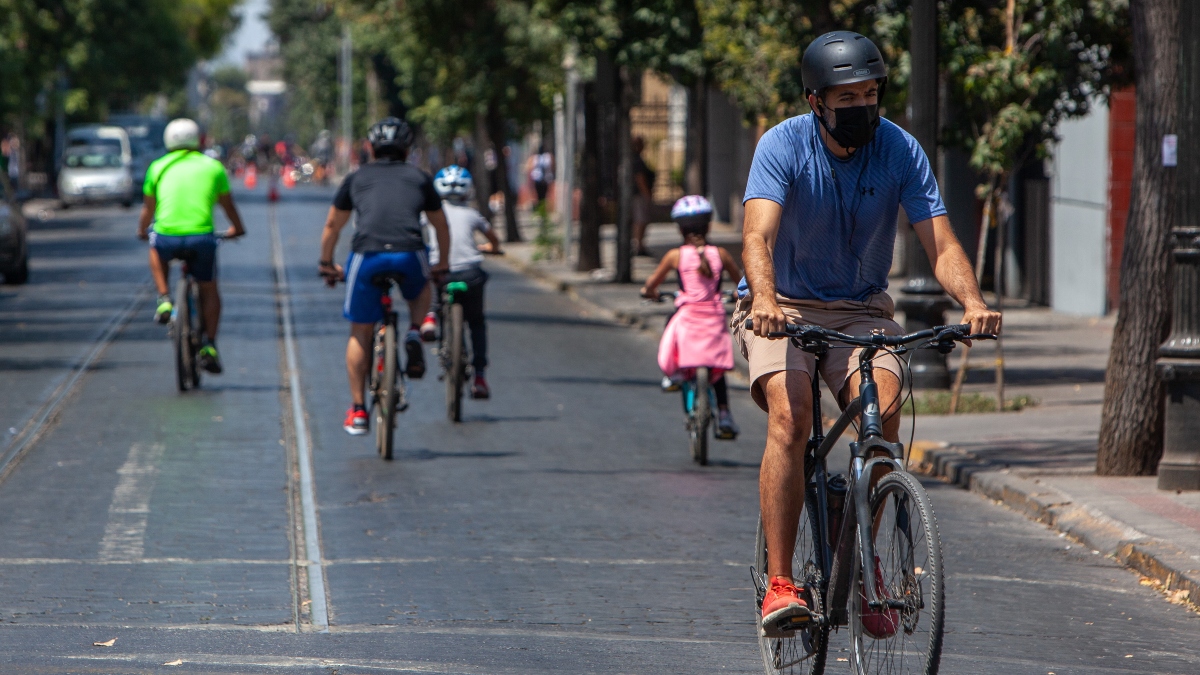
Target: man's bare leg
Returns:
[[358, 359], [781, 478], [158, 270], [418, 307]]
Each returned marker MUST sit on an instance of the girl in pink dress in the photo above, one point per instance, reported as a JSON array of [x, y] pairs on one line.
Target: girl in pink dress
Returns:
[[697, 334]]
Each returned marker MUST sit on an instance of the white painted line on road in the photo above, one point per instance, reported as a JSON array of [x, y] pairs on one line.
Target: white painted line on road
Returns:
[[33, 429], [26, 562], [125, 534], [524, 561], [319, 609]]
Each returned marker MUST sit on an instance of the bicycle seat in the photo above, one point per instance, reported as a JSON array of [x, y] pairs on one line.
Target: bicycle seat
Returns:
[[385, 279]]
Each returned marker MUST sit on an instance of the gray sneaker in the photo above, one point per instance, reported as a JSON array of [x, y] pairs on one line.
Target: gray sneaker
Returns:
[[727, 429]]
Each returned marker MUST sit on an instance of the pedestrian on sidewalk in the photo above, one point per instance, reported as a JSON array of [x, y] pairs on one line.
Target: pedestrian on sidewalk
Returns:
[[643, 196], [696, 335]]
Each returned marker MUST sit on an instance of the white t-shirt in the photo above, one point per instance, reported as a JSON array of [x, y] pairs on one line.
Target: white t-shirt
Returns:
[[463, 222]]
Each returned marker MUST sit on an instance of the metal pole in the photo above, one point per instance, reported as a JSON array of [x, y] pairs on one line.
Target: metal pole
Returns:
[[1179, 356], [345, 74], [566, 169], [923, 301]]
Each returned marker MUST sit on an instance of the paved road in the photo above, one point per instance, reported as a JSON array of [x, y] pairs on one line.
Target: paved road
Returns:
[[560, 528]]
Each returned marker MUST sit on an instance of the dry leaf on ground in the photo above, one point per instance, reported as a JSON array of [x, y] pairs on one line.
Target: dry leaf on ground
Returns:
[[106, 643]]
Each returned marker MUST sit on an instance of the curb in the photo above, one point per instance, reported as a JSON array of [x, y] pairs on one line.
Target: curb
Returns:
[[1168, 566]]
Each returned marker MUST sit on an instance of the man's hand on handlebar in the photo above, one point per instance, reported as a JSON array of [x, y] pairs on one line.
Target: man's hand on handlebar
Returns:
[[332, 273], [982, 320], [234, 232], [766, 316]]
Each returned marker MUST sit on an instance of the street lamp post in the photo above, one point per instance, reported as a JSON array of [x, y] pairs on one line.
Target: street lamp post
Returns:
[[923, 301], [1179, 356]]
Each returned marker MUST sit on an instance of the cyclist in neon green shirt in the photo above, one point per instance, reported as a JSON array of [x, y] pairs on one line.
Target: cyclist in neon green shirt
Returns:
[[181, 188]]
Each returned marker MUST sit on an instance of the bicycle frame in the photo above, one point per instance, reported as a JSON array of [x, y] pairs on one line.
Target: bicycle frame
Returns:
[[836, 560]]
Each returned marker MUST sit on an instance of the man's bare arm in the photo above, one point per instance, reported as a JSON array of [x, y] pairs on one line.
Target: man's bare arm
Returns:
[[442, 231], [758, 245], [954, 272], [149, 203], [236, 228]]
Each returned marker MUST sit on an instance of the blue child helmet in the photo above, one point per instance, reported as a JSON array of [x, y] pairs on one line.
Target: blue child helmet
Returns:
[[453, 181], [690, 207]]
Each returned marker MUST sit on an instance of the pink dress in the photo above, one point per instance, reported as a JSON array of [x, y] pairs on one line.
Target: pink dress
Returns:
[[697, 335]]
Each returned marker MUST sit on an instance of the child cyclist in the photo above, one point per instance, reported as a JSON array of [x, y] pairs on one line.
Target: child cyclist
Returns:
[[697, 335], [453, 185]]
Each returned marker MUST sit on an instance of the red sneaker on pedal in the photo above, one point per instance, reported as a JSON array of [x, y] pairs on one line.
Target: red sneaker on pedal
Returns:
[[782, 605], [356, 423], [429, 328], [879, 623]]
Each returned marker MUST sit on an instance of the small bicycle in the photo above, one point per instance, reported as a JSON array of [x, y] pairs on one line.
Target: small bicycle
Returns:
[[861, 549], [698, 407], [386, 384], [186, 326], [452, 349]]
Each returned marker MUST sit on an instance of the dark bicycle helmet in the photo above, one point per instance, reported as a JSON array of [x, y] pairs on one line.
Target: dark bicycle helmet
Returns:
[[390, 135], [841, 57]]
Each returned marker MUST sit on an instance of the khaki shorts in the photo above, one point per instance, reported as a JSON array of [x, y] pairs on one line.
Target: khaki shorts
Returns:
[[768, 356]]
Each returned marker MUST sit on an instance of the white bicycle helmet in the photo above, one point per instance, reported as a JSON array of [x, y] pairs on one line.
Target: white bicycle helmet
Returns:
[[182, 133], [453, 181], [691, 206]]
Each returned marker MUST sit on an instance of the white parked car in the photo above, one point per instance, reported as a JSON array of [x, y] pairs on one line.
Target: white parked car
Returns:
[[95, 174], [97, 167]]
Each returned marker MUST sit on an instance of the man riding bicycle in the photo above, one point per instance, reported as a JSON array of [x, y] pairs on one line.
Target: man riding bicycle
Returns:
[[389, 195], [821, 207], [178, 196]]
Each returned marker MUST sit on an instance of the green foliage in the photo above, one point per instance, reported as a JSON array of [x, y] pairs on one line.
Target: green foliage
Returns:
[[230, 106], [310, 34], [938, 403], [111, 53], [661, 35], [1066, 54]]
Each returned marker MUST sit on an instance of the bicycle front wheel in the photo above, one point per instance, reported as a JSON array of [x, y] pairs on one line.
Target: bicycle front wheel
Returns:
[[905, 638], [385, 380], [455, 362], [701, 417], [804, 651]]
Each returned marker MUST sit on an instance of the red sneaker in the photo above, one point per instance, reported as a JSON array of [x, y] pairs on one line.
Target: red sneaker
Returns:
[[879, 623], [479, 388], [429, 328], [782, 610], [356, 423]]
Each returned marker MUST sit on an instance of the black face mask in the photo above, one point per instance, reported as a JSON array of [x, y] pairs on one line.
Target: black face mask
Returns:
[[855, 126]]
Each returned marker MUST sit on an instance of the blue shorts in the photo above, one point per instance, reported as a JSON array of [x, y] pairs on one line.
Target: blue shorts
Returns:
[[199, 250], [363, 298]]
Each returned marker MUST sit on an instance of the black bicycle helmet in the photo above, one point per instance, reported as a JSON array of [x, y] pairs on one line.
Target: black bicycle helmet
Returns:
[[390, 135], [841, 57]]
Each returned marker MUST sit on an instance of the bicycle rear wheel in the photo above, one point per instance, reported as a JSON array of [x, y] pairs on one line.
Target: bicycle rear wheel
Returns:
[[701, 417], [804, 652], [908, 639], [181, 336], [385, 388], [455, 361]]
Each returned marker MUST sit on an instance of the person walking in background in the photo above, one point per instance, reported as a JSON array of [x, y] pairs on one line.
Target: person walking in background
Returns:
[[541, 172], [643, 184]]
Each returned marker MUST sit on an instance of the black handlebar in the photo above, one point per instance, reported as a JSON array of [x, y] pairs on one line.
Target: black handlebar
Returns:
[[937, 334]]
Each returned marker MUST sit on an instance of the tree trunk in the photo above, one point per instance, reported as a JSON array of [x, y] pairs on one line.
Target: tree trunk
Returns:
[[1131, 427], [483, 180], [696, 172], [512, 232], [589, 205], [625, 186]]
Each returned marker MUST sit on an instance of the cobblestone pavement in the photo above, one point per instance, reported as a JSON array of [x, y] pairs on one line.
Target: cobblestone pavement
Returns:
[[560, 528]]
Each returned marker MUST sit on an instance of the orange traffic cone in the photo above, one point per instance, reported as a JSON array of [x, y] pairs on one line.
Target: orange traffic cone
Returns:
[[251, 179], [289, 181], [273, 189]]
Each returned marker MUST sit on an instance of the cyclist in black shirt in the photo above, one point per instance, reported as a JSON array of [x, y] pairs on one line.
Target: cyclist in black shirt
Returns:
[[388, 196]]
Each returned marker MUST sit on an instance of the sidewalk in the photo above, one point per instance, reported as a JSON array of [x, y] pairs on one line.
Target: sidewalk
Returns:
[[1040, 461]]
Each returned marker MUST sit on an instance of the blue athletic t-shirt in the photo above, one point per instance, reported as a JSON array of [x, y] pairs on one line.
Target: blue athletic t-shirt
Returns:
[[838, 226]]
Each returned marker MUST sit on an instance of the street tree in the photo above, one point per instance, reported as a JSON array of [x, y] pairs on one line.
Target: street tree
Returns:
[[1131, 425], [633, 35]]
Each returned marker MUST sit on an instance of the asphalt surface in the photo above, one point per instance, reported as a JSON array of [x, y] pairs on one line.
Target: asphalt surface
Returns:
[[560, 528]]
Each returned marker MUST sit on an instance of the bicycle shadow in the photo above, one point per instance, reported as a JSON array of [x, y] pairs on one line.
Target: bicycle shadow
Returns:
[[426, 454]]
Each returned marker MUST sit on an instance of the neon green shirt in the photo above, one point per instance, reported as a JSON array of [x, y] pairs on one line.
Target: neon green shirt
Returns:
[[185, 184]]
